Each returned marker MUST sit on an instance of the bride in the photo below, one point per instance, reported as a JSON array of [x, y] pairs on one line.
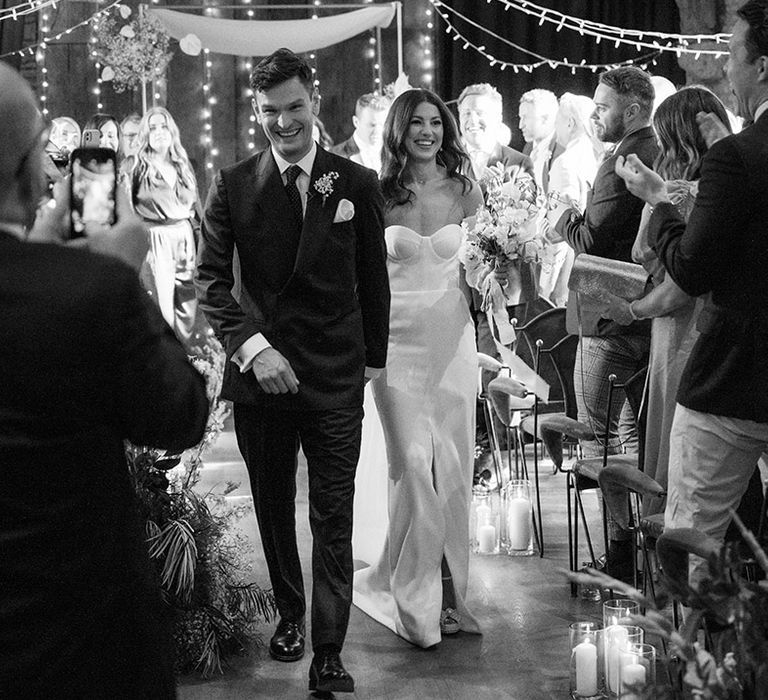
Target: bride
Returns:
[[416, 583]]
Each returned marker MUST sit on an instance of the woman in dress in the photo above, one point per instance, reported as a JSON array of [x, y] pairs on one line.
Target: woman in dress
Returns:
[[165, 196], [674, 313], [426, 395], [108, 128]]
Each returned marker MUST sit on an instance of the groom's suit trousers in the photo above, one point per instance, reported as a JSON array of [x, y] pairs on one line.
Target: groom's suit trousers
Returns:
[[269, 439]]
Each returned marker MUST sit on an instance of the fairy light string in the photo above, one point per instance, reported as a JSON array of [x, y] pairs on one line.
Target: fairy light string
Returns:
[[449, 15]]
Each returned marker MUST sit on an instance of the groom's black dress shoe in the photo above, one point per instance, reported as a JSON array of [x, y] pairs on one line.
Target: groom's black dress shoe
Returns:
[[287, 644], [327, 675]]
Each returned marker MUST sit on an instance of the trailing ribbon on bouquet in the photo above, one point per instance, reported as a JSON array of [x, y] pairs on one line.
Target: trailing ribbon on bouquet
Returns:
[[495, 307]]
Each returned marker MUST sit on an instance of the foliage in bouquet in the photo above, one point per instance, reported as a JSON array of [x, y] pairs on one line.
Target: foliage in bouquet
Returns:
[[504, 228], [133, 52], [200, 558], [735, 667]]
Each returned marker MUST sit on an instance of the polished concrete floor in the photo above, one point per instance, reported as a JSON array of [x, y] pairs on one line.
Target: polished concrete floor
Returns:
[[523, 604]]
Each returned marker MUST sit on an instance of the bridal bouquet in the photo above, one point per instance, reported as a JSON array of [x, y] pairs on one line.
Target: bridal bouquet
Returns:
[[502, 236]]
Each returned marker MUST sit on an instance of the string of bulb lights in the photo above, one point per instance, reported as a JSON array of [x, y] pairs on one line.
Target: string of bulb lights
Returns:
[[578, 25], [48, 40], [25, 8]]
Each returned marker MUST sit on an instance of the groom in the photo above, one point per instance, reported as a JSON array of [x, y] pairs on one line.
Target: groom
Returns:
[[309, 324]]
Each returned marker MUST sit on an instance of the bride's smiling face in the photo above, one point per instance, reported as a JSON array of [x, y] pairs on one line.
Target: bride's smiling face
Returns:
[[425, 133]]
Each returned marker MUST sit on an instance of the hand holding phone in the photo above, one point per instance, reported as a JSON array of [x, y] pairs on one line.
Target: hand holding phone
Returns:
[[92, 190]]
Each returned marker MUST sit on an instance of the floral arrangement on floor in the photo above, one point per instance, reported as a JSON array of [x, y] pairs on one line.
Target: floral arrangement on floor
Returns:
[[201, 560], [501, 236], [735, 667], [132, 52]]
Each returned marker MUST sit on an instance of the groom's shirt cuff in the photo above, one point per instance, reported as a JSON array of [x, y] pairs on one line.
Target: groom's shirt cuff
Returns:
[[373, 372], [244, 356]]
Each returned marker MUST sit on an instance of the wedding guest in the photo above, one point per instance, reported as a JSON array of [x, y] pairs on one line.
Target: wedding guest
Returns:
[[570, 180], [662, 89], [537, 111], [165, 197], [129, 141], [364, 145], [607, 228], [108, 128], [480, 114], [720, 426], [87, 363], [425, 396], [674, 312], [63, 138]]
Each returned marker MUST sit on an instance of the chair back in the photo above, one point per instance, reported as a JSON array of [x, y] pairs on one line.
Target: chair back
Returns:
[[545, 345]]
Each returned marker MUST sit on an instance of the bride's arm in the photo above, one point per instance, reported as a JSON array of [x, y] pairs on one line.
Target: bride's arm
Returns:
[[475, 272]]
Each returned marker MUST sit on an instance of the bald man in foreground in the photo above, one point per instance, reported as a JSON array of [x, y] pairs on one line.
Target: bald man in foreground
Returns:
[[87, 362]]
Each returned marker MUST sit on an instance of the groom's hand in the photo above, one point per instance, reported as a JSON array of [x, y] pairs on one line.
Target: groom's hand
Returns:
[[274, 373]]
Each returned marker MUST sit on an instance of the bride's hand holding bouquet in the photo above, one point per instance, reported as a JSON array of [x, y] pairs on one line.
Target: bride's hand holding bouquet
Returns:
[[501, 236]]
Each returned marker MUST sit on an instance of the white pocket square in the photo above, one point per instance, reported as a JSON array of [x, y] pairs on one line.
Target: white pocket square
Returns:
[[344, 212]]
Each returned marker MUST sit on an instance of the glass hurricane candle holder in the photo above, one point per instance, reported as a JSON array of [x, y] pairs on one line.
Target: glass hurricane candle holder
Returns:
[[637, 672], [585, 661], [517, 518], [616, 609], [617, 639], [484, 525]]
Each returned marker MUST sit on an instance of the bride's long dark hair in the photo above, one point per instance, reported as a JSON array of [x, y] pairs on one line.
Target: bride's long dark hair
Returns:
[[451, 155]]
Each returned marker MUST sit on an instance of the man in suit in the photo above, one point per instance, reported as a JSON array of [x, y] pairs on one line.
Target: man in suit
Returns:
[[364, 146], [87, 362], [480, 115], [720, 427], [536, 112], [607, 228], [480, 110], [311, 323]]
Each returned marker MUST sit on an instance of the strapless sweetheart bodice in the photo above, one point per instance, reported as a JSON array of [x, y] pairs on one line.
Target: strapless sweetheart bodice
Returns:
[[423, 263]]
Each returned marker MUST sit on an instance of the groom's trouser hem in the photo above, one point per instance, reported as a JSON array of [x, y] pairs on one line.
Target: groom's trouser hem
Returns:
[[269, 440]]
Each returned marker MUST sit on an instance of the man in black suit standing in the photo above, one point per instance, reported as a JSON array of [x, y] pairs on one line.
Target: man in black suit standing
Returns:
[[87, 362], [312, 320], [364, 146], [720, 427], [607, 228]]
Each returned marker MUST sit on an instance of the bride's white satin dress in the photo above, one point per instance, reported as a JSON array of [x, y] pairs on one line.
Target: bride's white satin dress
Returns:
[[426, 404]]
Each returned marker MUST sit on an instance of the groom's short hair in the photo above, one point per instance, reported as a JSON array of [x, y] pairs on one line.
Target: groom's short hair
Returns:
[[278, 67]]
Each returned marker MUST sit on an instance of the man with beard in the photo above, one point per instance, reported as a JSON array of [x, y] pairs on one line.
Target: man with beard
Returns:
[[607, 228], [720, 426]]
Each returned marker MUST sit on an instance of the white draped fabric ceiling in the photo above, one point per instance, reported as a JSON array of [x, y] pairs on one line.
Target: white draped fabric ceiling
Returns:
[[260, 38]]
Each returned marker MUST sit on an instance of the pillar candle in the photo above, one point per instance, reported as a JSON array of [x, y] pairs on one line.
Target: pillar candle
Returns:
[[586, 668], [632, 679], [486, 539], [616, 639], [519, 522], [483, 517]]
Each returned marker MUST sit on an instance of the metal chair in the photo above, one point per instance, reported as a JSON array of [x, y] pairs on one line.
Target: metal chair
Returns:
[[623, 487]]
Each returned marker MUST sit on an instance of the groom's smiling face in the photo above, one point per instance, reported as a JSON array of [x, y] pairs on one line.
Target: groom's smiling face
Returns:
[[287, 112]]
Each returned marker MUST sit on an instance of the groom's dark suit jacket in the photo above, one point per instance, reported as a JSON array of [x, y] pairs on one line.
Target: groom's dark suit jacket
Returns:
[[86, 361], [325, 307], [723, 251]]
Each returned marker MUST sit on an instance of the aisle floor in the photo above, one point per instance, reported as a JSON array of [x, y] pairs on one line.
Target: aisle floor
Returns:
[[523, 605]]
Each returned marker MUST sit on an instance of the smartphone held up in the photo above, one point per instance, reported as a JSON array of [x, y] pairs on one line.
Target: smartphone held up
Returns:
[[92, 190]]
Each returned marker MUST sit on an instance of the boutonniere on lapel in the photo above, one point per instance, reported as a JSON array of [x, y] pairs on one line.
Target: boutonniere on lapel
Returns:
[[324, 184]]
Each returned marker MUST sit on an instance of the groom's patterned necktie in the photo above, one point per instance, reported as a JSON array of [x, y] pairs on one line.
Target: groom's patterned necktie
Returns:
[[294, 197]]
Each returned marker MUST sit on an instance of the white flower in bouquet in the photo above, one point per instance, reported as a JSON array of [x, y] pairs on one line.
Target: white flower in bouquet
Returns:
[[502, 235]]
